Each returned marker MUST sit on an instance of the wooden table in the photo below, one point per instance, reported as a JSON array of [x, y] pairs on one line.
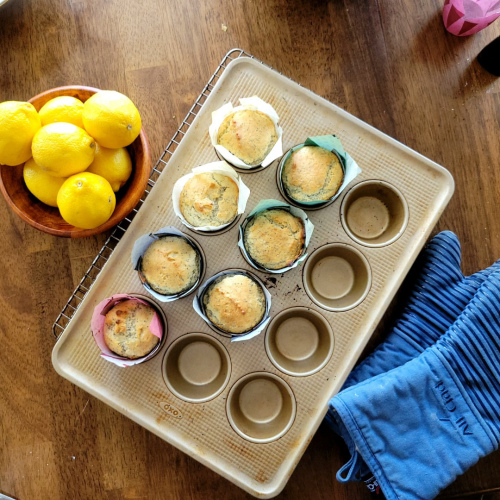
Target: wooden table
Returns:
[[389, 63]]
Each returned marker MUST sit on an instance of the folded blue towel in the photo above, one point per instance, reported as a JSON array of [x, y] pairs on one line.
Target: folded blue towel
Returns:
[[422, 424], [439, 294]]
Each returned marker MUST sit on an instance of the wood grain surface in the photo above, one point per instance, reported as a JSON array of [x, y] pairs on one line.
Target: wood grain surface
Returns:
[[392, 64]]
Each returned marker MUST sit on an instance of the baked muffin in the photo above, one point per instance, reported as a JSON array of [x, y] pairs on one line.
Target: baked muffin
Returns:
[[126, 329], [274, 238], [312, 173], [209, 199], [249, 135], [235, 303], [170, 265]]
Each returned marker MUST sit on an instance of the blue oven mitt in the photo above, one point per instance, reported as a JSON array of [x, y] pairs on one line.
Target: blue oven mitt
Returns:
[[439, 294], [422, 424]]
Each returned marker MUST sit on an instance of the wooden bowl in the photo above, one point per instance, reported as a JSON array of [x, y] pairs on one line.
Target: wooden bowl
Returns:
[[48, 219]]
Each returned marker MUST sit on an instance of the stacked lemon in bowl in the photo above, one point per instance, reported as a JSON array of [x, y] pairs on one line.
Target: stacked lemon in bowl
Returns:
[[74, 153]]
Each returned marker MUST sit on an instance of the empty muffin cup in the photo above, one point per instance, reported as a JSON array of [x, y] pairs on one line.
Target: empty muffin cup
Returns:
[[374, 213], [337, 277], [261, 407], [299, 341], [196, 367]]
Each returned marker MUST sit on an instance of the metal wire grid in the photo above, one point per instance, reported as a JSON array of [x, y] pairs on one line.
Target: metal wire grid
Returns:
[[102, 257]]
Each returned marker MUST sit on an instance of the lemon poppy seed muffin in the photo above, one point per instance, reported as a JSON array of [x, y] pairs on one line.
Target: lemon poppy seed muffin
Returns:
[[312, 173], [126, 329], [248, 134], [235, 303], [171, 265], [209, 199], [274, 238]]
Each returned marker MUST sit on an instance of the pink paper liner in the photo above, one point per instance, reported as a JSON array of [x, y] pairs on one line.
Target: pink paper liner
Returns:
[[467, 17], [97, 327]]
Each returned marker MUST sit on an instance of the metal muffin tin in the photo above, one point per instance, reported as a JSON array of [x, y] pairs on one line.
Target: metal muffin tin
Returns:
[[231, 428]]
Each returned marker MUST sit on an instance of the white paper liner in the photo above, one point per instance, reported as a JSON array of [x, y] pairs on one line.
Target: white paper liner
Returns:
[[216, 167], [140, 247], [254, 103], [352, 170], [234, 337], [297, 212], [97, 327]]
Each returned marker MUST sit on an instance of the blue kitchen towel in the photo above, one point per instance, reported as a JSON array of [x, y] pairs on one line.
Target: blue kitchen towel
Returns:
[[439, 294], [422, 424]]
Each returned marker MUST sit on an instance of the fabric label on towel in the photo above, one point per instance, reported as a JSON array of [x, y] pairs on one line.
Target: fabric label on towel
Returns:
[[374, 487]]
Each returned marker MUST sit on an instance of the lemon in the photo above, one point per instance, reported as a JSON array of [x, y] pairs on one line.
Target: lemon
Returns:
[[114, 165], [86, 200], [19, 122], [111, 119], [41, 184], [62, 109], [63, 149]]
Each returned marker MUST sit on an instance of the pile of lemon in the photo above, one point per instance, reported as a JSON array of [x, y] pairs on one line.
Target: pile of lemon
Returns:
[[73, 152]]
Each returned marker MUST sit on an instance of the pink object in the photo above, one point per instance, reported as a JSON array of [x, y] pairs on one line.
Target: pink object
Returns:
[[466, 17], [97, 327]]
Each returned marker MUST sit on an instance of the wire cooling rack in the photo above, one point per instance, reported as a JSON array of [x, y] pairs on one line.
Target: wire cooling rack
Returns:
[[102, 257]]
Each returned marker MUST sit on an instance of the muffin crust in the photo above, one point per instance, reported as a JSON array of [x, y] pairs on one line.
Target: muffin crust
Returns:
[[274, 238], [126, 329], [170, 265], [235, 303], [248, 134], [209, 199], [312, 173]]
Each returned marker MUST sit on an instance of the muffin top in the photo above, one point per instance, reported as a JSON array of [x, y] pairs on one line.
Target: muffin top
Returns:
[[312, 173], [274, 238], [170, 265], [235, 303], [209, 199], [126, 329], [249, 135]]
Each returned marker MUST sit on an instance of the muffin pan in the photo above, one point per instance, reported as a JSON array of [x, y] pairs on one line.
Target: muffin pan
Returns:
[[248, 409], [299, 341], [261, 407], [337, 277], [196, 367], [374, 213]]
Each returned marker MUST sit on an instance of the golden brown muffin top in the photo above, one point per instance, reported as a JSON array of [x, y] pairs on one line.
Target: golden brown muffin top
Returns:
[[249, 135], [274, 238], [209, 199], [312, 173], [235, 303], [126, 329], [170, 265]]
